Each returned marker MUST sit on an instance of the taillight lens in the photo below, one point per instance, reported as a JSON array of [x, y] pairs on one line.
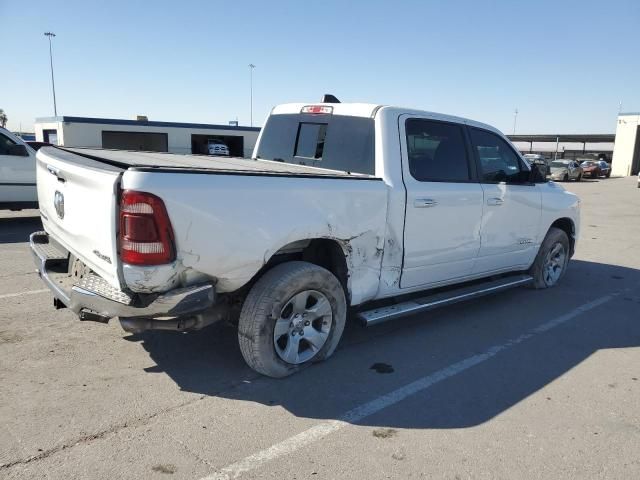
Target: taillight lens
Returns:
[[317, 109], [146, 235]]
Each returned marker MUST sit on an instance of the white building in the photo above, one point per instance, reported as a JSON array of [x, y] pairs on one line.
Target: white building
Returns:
[[626, 151], [144, 135]]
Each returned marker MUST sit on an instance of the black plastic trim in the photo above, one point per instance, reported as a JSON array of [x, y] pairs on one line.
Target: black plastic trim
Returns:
[[251, 174], [18, 205]]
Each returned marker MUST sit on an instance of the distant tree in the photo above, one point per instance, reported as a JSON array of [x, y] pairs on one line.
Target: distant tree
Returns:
[[3, 118]]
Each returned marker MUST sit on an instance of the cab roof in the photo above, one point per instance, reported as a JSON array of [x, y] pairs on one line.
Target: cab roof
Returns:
[[371, 110]]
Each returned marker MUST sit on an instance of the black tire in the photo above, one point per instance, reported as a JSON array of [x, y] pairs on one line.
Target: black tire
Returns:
[[264, 304], [537, 271], [579, 178], [566, 177], [608, 174]]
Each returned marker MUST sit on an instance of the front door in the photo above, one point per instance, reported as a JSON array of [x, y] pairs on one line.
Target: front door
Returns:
[[512, 206], [444, 202]]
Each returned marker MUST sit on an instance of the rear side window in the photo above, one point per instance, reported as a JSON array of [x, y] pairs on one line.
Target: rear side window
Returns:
[[498, 161], [437, 151], [336, 142]]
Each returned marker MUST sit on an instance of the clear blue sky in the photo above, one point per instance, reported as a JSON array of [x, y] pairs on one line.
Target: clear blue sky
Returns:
[[564, 64]]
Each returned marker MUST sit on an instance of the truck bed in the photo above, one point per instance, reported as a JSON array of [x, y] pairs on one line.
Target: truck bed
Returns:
[[135, 160], [229, 215]]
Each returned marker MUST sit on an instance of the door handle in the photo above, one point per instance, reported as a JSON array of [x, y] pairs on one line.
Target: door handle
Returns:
[[424, 202], [495, 201], [56, 172]]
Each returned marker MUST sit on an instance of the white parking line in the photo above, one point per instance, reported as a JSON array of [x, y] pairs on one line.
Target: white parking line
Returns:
[[19, 294], [365, 410]]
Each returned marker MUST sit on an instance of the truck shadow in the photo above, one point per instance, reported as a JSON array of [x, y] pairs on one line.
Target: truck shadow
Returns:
[[209, 362], [18, 229]]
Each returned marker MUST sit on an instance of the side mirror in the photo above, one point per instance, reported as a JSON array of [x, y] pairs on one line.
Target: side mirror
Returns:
[[18, 150], [535, 175]]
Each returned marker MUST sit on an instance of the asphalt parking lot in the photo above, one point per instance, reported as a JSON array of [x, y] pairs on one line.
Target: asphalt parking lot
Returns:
[[527, 384]]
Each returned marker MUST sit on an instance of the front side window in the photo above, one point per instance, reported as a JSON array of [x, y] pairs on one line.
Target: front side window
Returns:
[[6, 145], [498, 161], [437, 151]]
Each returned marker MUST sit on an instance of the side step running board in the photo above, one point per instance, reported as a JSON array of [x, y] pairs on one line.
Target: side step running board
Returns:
[[382, 314]]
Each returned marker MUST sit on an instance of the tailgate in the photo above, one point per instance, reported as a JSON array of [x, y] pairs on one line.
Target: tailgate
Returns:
[[78, 202]]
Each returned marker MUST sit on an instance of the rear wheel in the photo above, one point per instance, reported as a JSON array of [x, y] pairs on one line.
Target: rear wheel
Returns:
[[293, 316], [579, 178], [551, 262]]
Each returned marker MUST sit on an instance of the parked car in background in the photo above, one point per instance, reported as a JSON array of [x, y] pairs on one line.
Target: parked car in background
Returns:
[[605, 168], [591, 168], [38, 145], [565, 170], [17, 173], [216, 147], [342, 205], [539, 160]]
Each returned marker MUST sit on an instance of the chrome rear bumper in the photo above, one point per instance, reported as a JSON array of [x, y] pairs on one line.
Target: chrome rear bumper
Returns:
[[92, 298]]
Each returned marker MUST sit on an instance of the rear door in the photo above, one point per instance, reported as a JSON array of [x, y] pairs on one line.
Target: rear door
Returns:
[[444, 202], [512, 205], [78, 203]]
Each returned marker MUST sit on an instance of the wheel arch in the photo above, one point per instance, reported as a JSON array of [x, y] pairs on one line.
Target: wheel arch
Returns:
[[568, 226], [329, 253]]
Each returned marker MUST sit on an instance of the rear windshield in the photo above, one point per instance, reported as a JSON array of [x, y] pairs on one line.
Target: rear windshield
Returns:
[[335, 142], [559, 164]]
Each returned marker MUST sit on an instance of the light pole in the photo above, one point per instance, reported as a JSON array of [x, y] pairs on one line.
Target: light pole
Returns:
[[515, 119], [53, 84], [251, 67]]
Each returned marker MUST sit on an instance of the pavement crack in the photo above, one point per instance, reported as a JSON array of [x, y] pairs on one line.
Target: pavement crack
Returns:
[[23, 274], [114, 429], [84, 439], [204, 461]]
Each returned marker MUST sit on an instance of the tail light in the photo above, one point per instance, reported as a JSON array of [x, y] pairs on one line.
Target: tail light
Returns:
[[317, 109], [146, 235]]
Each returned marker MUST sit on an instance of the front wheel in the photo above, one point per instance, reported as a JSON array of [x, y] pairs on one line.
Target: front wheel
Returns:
[[551, 262], [565, 178], [292, 317], [579, 178]]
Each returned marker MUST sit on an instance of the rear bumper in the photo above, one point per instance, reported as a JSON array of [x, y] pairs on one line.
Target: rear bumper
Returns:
[[92, 298]]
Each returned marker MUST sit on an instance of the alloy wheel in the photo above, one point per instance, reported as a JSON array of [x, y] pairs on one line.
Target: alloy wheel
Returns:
[[554, 264], [303, 327]]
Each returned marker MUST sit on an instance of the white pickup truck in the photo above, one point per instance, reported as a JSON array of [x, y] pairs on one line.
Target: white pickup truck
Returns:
[[377, 210], [17, 173]]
